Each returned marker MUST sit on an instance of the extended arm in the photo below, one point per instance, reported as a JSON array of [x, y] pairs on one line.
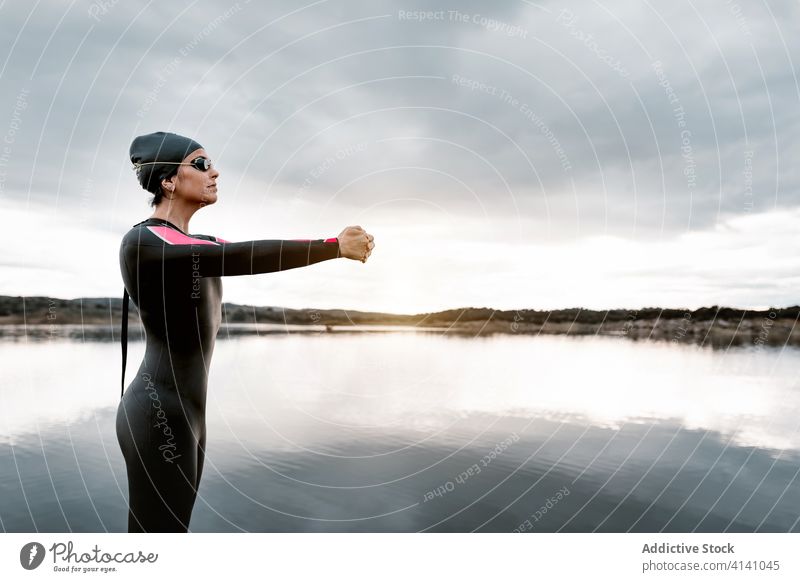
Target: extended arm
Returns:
[[206, 258]]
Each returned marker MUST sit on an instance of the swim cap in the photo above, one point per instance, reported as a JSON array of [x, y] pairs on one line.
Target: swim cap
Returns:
[[159, 147]]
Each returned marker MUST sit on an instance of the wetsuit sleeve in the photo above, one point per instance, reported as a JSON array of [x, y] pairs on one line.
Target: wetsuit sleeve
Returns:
[[212, 257]]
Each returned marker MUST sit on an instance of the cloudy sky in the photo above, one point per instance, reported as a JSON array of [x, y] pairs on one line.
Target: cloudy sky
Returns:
[[506, 155]]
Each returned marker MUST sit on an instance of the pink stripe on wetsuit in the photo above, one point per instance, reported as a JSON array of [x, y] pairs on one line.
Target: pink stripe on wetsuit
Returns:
[[174, 237]]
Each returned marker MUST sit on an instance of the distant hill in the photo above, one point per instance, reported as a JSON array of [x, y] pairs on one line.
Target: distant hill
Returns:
[[714, 325]]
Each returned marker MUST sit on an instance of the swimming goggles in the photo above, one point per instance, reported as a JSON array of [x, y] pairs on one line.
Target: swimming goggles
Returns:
[[201, 163]]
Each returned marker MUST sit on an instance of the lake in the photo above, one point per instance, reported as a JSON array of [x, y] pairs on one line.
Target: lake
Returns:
[[407, 431]]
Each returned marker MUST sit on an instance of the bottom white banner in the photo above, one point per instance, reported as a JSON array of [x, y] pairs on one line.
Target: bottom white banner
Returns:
[[358, 556]]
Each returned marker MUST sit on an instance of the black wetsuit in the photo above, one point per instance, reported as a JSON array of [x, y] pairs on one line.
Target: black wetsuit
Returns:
[[174, 280]]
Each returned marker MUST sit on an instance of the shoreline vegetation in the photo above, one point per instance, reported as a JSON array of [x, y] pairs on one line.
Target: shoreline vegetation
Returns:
[[721, 327]]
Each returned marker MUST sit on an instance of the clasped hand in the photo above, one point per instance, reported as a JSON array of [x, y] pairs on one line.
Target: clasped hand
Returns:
[[356, 243]]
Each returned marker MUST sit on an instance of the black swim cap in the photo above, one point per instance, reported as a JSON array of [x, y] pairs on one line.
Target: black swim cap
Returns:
[[159, 147]]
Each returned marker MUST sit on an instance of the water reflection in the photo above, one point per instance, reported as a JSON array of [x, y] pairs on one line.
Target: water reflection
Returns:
[[353, 432]]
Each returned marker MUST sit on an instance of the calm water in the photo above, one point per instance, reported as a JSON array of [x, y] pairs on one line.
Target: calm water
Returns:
[[355, 432]]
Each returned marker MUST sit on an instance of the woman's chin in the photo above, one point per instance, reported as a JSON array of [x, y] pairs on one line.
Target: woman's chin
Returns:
[[209, 198]]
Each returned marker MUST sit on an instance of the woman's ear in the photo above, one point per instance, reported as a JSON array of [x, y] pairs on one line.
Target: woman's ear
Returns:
[[168, 185]]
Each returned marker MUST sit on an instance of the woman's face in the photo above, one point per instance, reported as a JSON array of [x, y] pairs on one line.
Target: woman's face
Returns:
[[193, 185]]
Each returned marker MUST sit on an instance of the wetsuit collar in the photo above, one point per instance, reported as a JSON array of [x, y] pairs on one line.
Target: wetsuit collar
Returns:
[[161, 221]]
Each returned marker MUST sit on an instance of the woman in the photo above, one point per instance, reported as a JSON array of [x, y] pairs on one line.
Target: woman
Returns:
[[174, 280]]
